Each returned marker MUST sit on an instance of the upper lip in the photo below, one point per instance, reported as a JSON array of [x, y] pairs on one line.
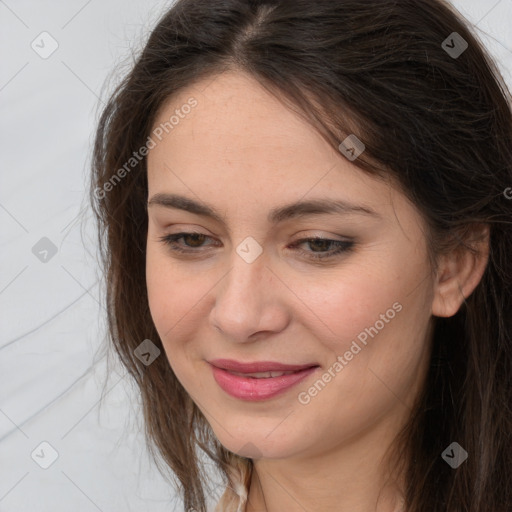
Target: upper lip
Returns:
[[258, 366]]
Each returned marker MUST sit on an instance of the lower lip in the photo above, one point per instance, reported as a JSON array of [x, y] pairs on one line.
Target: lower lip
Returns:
[[250, 389]]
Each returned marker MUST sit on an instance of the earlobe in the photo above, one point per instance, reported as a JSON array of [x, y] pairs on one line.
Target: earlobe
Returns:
[[459, 273]]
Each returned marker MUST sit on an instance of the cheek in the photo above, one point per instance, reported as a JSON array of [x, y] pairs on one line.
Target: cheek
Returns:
[[372, 311], [178, 305], [171, 294], [169, 300], [345, 305], [159, 297]]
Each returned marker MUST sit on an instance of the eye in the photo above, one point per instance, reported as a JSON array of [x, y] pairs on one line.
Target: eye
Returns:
[[323, 248], [195, 237]]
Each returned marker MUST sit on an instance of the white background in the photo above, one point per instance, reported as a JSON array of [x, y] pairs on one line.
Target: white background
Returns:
[[52, 366]]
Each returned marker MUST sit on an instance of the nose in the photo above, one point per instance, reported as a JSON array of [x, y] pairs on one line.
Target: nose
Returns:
[[249, 301]]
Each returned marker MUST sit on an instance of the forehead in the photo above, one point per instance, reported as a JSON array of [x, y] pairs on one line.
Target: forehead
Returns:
[[241, 149], [236, 117], [237, 124]]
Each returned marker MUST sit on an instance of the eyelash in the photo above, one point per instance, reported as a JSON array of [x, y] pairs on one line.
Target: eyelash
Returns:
[[343, 246]]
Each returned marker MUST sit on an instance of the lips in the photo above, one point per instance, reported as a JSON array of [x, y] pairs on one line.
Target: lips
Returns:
[[261, 375], [260, 380], [259, 366]]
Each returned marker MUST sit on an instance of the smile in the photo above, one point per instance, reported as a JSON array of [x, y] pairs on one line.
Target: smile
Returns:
[[258, 381]]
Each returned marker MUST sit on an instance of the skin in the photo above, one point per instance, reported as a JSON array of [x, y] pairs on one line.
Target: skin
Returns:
[[243, 152]]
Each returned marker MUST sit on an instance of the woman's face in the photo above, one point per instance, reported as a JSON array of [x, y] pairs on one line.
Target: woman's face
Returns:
[[248, 288]]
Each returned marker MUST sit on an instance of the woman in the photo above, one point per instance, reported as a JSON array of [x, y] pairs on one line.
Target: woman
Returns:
[[306, 233]]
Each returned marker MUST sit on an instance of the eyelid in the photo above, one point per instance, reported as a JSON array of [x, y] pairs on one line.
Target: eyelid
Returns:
[[342, 246], [301, 239]]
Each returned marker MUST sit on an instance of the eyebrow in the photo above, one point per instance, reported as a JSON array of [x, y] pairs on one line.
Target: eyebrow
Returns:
[[290, 211]]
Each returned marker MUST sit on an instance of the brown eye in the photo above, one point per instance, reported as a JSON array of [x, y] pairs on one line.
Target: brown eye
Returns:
[[197, 239], [321, 247], [191, 241]]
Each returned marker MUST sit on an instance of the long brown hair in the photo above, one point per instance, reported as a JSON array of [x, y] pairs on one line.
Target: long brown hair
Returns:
[[434, 112]]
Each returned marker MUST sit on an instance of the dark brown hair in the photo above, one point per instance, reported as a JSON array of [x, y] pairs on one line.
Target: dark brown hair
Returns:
[[439, 124]]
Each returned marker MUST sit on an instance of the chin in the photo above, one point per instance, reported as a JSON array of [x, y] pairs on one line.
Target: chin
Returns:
[[258, 439]]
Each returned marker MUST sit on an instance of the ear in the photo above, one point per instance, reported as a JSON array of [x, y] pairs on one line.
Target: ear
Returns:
[[459, 272]]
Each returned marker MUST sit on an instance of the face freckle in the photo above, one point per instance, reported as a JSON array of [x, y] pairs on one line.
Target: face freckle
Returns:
[[244, 154]]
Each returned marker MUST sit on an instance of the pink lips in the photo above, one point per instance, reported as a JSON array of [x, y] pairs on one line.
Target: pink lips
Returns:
[[255, 389]]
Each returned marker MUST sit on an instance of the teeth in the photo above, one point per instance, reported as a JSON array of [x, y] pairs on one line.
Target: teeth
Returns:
[[262, 375]]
